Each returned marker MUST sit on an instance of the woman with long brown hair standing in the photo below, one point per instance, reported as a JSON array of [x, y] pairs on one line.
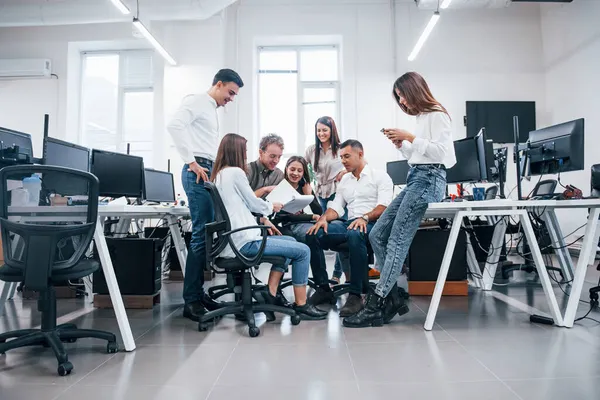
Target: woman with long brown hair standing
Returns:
[[230, 178], [429, 151]]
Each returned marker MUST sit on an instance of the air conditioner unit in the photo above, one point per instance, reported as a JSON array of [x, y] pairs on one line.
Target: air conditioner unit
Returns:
[[25, 67]]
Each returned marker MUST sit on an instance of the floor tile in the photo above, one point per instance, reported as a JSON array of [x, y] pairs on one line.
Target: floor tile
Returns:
[[430, 361], [492, 390], [310, 391], [298, 364], [185, 366], [557, 389], [134, 392]]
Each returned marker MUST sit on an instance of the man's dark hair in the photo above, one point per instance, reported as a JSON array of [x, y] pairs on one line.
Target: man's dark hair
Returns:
[[228, 75], [355, 144]]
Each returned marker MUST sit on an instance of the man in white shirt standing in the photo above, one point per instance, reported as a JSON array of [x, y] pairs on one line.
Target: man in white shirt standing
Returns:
[[195, 132], [366, 192]]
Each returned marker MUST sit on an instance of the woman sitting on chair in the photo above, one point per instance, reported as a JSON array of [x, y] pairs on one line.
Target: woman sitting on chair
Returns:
[[229, 176]]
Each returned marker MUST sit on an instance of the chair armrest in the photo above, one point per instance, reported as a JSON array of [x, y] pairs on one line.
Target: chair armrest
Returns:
[[249, 262], [214, 227]]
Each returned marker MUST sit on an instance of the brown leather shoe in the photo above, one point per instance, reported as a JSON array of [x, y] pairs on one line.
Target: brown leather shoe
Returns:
[[353, 305], [373, 273]]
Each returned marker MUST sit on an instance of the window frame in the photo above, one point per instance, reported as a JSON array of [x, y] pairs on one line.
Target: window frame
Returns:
[[300, 85]]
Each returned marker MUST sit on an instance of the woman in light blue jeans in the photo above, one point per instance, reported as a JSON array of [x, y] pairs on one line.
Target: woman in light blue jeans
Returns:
[[429, 151]]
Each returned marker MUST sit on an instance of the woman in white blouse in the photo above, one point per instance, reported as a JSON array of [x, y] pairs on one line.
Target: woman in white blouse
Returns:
[[328, 169], [240, 202], [429, 151]]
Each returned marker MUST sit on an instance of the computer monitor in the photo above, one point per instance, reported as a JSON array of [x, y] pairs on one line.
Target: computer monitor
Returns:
[[119, 174], [15, 147], [497, 118], [470, 160], [558, 148], [158, 186], [398, 171], [64, 154]]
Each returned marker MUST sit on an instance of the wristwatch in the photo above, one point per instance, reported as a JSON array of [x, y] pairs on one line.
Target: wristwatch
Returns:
[[365, 217]]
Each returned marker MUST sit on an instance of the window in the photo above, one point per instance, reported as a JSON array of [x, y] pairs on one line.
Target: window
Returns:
[[117, 103], [296, 86]]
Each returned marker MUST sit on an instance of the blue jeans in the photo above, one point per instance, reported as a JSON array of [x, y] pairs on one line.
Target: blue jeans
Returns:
[[395, 229], [296, 253], [340, 265], [338, 234], [318, 265], [201, 212]]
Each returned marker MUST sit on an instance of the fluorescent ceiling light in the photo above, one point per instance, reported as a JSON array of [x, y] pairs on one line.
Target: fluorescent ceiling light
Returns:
[[163, 52], [122, 7], [445, 4], [424, 36]]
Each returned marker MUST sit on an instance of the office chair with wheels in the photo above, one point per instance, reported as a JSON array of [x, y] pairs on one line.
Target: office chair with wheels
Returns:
[[44, 245], [239, 279]]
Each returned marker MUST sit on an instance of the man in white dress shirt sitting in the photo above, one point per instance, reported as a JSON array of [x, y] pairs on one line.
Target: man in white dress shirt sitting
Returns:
[[195, 132], [366, 192]]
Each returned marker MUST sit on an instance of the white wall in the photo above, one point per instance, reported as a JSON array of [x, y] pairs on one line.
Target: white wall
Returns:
[[571, 43], [489, 54]]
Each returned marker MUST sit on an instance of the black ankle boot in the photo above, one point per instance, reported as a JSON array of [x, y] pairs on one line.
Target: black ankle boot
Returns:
[[370, 315], [394, 303]]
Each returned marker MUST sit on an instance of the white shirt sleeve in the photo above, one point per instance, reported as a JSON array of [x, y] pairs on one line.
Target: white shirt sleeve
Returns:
[[255, 204], [406, 149], [339, 202], [385, 189], [179, 129], [437, 147]]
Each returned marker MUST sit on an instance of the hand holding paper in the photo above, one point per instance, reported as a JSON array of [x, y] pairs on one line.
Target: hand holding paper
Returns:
[[292, 201]]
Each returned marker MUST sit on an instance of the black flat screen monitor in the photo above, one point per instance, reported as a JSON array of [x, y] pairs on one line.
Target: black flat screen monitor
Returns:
[[497, 118], [470, 160], [69, 155], [158, 186], [119, 174], [557, 148], [15, 147], [398, 171]]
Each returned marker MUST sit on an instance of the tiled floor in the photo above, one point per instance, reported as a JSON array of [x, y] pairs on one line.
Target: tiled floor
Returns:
[[480, 348]]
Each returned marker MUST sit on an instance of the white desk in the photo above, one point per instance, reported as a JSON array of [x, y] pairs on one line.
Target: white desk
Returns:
[[457, 211], [77, 213]]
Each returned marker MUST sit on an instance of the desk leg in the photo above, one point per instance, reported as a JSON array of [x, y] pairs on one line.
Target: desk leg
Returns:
[[445, 267], [113, 286], [541, 268], [473, 265], [590, 241], [491, 263], [558, 241], [7, 289], [178, 241]]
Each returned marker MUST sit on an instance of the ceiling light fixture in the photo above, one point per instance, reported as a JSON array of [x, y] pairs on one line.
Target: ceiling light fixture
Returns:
[[121, 6], [445, 4], [163, 52], [434, 19]]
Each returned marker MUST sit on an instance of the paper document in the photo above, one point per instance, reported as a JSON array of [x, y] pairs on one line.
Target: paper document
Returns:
[[292, 201]]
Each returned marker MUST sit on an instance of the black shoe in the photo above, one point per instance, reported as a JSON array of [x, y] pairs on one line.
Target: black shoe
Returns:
[[209, 303], [370, 315], [309, 312], [277, 300], [353, 305], [394, 303], [322, 295], [194, 310]]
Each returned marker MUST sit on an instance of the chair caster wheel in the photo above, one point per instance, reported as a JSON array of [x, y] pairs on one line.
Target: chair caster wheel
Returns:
[[254, 331], [112, 347], [65, 368], [295, 319], [202, 327]]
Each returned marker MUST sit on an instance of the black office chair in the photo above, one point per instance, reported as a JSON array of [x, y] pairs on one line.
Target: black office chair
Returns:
[[595, 181], [41, 249], [239, 279], [491, 192], [544, 189]]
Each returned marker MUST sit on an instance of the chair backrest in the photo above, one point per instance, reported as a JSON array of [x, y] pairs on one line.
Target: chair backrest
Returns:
[[215, 240], [595, 180], [41, 229], [544, 188]]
